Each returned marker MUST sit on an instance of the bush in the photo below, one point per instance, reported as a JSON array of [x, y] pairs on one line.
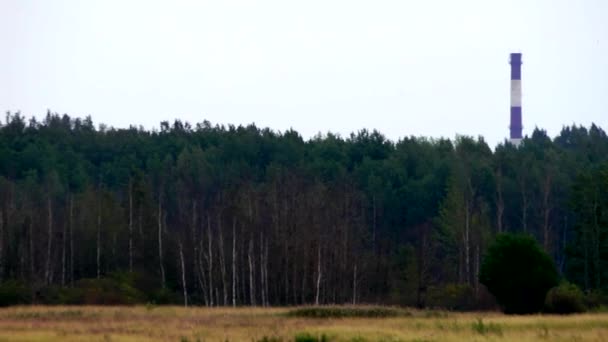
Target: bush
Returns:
[[595, 300], [518, 273], [486, 328], [57, 295], [306, 337], [13, 292], [105, 291], [146, 285], [163, 297], [565, 299], [451, 297]]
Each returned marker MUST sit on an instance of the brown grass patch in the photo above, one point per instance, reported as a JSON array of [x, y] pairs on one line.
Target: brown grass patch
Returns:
[[141, 323]]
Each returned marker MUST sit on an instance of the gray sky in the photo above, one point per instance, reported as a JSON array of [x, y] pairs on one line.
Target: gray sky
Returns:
[[424, 68]]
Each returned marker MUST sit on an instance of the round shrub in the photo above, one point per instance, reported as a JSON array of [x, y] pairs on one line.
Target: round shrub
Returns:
[[106, 291], [518, 273], [565, 299], [452, 297]]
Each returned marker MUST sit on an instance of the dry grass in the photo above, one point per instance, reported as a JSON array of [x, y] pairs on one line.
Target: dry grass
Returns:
[[62, 323]]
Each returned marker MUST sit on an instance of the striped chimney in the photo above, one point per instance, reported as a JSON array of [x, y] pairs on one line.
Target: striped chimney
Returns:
[[515, 127]]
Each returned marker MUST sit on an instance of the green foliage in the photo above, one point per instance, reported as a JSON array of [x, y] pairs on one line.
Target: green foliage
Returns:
[[163, 296], [105, 291], [405, 276], [588, 252], [486, 328], [358, 199], [14, 292], [270, 339], [344, 312], [452, 297], [118, 288], [185, 339], [307, 337], [518, 273], [596, 300], [57, 295], [358, 339], [565, 299]]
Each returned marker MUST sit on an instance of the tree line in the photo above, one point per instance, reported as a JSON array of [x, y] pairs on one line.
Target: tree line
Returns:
[[240, 215]]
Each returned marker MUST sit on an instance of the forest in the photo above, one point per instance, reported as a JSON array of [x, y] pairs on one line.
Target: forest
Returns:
[[220, 215]]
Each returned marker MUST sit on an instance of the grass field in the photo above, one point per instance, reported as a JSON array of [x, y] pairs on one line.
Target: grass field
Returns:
[[149, 323]]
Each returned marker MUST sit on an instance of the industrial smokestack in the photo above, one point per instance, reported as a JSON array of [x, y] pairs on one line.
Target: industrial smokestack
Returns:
[[515, 126]]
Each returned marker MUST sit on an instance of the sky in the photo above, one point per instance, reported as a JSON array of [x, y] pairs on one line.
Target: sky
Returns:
[[410, 67]]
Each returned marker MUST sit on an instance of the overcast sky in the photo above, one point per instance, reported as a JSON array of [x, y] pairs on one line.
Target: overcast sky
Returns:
[[424, 68]]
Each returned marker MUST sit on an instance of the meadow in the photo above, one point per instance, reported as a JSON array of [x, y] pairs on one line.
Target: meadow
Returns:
[[172, 323]]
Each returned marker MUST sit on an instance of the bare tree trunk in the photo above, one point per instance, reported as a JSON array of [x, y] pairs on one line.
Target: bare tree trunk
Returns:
[[295, 282], [31, 249], [201, 271], [355, 285], [251, 278], [160, 242], [243, 276], [114, 244], [63, 254], [210, 259], [98, 238], [71, 221], [586, 258], [234, 261], [22, 267], [130, 225], [467, 244], [547, 214], [596, 240], [318, 274], [222, 260], [47, 272], [250, 257], [461, 261], [1, 245], [423, 256], [304, 284], [344, 262], [477, 262], [5, 218], [266, 273], [139, 223], [195, 248], [286, 270], [262, 284], [183, 266]]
